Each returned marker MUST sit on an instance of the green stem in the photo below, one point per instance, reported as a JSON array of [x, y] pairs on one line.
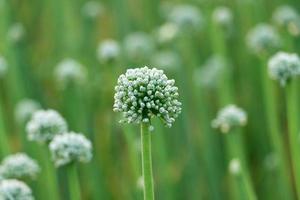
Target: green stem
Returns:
[[284, 184], [147, 162], [50, 175], [73, 182], [4, 143], [293, 127], [236, 151]]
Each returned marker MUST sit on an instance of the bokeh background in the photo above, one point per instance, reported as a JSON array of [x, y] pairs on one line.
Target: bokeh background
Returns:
[[193, 41]]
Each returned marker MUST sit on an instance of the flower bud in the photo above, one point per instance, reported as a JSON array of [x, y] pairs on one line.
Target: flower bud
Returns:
[[12, 189], [283, 67], [263, 39], [19, 166], [144, 93], [44, 125], [70, 147], [229, 117]]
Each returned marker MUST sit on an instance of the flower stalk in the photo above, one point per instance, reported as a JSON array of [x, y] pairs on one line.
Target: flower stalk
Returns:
[[269, 98], [147, 162], [4, 147], [293, 128], [73, 182]]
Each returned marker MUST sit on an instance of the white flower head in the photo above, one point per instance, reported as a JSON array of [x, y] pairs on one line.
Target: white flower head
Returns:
[[19, 166], [108, 50], [69, 71], [3, 67], [138, 46], [166, 32], [24, 110], [16, 32], [229, 117], [287, 17], [235, 166], [186, 17], [70, 147], [284, 66], [167, 60], [223, 16], [12, 189], [92, 9], [263, 38], [144, 93], [44, 125], [209, 74]]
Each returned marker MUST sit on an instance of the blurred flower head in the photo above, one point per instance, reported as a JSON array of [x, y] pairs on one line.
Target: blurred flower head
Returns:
[[44, 125], [229, 117], [108, 50], [271, 161], [70, 147], [92, 9], [166, 32], [12, 189], [24, 110], [223, 17], [262, 39], [16, 32], [69, 71], [19, 166], [235, 166], [208, 76], [138, 46], [186, 17], [140, 183], [144, 93], [287, 17], [167, 60], [284, 66], [3, 67]]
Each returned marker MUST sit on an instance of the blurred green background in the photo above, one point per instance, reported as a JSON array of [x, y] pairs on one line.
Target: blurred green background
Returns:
[[190, 159]]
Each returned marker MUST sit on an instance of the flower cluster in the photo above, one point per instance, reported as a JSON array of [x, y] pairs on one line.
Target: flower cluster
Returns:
[[283, 66], [222, 16], [167, 60], [143, 93], [3, 67], [186, 17], [70, 147], [208, 76], [166, 32], [24, 110], [229, 117], [16, 32], [108, 50], [287, 17], [138, 46], [263, 39], [92, 9], [12, 189], [44, 125], [69, 71], [235, 166], [19, 166]]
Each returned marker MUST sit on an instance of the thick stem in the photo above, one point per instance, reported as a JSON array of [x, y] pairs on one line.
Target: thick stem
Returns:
[[236, 151], [50, 175], [4, 143], [293, 127], [284, 184], [147, 162], [73, 182]]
